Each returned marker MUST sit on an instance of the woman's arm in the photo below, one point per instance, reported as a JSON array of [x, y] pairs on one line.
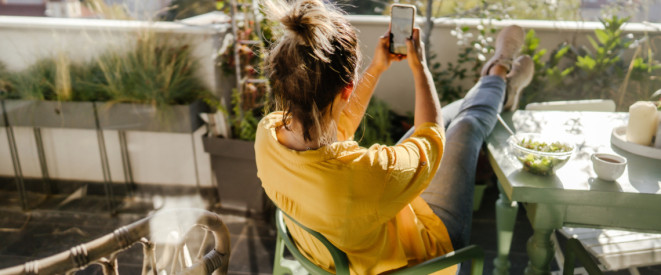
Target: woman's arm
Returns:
[[366, 84], [427, 106]]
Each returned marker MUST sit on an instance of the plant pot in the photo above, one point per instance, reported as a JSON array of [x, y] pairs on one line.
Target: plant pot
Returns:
[[50, 114], [75, 159], [119, 116], [233, 165], [144, 117]]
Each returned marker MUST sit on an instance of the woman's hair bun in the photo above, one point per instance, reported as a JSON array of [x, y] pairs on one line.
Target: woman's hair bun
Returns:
[[308, 22], [313, 59]]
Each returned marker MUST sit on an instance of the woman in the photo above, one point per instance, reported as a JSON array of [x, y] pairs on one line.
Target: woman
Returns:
[[376, 204]]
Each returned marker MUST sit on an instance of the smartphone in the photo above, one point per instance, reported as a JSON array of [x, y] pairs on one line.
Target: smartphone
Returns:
[[401, 27]]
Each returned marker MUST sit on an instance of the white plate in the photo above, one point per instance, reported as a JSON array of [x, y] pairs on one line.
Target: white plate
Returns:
[[619, 139]]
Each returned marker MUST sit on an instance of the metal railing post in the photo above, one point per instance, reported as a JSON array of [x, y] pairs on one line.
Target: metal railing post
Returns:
[[18, 172]]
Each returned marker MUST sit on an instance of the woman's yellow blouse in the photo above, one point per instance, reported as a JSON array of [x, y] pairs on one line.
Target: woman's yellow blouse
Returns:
[[366, 201]]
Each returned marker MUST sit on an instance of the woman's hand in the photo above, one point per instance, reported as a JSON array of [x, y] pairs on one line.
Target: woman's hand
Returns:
[[415, 51], [382, 56]]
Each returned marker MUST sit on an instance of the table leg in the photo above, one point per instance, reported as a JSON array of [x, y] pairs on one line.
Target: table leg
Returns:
[[544, 218], [540, 252], [505, 220]]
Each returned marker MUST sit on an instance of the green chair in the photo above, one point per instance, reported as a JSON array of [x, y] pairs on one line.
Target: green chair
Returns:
[[301, 265], [575, 250]]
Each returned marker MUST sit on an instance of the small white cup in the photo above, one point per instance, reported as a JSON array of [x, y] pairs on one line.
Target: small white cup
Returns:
[[608, 167]]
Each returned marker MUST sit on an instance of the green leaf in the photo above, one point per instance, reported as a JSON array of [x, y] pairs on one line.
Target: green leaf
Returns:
[[602, 36], [561, 52], [531, 41], [593, 43], [586, 62], [567, 71]]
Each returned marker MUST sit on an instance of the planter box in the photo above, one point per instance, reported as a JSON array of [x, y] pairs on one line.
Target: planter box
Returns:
[[143, 117], [119, 116], [77, 158], [50, 114], [233, 165]]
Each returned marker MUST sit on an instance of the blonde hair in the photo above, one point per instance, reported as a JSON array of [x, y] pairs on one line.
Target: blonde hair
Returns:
[[312, 61]]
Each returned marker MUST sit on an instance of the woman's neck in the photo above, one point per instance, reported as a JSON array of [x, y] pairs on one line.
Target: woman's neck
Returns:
[[292, 136]]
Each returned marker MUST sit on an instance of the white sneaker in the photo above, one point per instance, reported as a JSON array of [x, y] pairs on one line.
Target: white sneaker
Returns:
[[518, 78], [508, 44]]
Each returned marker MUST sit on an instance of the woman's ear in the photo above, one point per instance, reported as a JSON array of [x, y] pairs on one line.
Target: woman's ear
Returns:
[[346, 93]]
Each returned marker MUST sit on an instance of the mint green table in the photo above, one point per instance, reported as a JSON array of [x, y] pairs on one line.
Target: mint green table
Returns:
[[573, 196]]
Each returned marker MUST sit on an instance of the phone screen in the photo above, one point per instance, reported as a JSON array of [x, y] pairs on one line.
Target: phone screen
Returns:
[[401, 27]]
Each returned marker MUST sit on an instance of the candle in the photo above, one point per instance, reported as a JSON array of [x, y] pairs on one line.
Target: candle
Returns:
[[643, 119]]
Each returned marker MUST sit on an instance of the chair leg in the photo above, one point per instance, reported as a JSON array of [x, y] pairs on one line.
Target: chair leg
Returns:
[[477, 267], [278, 269], [282, 266], [576, 251]]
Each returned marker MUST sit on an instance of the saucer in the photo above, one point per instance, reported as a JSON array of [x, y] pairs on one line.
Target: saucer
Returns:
[[619, 139]]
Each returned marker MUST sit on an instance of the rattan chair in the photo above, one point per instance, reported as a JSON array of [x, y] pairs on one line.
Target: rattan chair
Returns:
[[155, 233]]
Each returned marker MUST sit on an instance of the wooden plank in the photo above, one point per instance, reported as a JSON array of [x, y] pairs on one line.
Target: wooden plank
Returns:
[[633, 259], [620, 239], [619, 248], [581, 233]]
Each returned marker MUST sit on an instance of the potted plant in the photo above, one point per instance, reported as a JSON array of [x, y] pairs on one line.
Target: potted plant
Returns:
[[231, 131]]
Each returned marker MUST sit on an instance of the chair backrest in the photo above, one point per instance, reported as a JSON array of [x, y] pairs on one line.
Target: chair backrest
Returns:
[[339, 258], [595, 105]]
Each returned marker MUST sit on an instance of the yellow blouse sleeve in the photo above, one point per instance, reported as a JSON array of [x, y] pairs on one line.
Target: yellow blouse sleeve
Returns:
[[411, 166]]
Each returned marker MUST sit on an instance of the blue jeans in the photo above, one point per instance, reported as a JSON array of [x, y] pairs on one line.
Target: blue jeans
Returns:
[[467, 122]]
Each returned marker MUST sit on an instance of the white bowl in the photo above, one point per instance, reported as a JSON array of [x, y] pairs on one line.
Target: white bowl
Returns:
[[608, 167]]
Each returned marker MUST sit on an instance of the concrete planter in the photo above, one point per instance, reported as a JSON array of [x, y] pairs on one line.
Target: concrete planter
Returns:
[[50, 114], [233, 165], [119, 116], [143, 117], [99, 155]]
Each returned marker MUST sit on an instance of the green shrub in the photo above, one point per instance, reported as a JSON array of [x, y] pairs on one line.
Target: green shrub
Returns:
[[381, 125], [37, 82], [5, 84], [155, 71], [600, 71]]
